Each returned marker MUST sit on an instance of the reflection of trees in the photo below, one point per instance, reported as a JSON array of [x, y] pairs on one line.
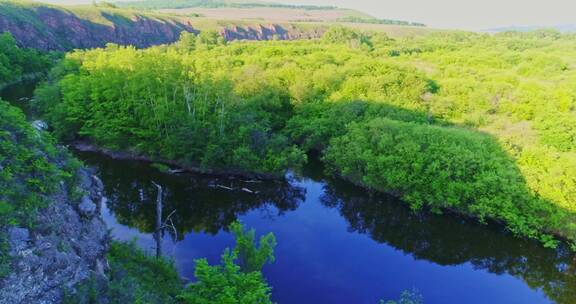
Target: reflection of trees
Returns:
[[446, 241], [200, 206], [443, 240]]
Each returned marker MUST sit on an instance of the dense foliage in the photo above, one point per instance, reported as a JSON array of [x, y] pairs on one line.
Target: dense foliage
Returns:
[[442, 167], [31, 166], [16, 62], [136, 277], [239, 277], [479, 124]]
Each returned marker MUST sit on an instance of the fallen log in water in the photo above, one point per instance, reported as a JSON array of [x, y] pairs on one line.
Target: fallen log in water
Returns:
[[236, 189]]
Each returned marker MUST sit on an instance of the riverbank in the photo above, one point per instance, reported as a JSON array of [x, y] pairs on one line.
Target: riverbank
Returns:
[[452, 212], [385, 234], [175, 166], [458, 213]]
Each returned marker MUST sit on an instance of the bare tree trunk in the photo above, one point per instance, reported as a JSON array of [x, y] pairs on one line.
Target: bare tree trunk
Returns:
[[187, 99], [221, 116], [159, 226]]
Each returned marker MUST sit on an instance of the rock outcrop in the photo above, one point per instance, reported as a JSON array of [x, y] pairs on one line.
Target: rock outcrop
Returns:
[[66, 247], [270, 32], [52, 28]]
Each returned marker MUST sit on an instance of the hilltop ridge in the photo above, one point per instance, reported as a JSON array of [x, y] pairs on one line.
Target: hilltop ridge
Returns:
[[49, 27], [61, 28]]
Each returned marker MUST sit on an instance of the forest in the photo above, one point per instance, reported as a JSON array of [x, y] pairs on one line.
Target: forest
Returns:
[[483, 125], [16, 62]]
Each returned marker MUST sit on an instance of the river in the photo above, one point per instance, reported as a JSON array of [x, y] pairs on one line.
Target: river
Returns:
[[337, 243]]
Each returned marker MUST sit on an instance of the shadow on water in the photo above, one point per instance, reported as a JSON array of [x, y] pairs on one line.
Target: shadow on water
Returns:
[[200, 204], [450, 241], [20, 95]]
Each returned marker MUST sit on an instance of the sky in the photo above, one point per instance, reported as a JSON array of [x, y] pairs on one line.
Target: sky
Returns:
[[460, 14]]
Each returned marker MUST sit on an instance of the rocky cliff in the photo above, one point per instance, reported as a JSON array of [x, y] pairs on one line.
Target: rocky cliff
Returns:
[[51, 235], [67, 247], [270, 32], [53, 28], [46, 27]]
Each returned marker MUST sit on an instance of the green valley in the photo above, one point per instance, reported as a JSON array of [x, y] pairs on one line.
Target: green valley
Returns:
[[385, 159]]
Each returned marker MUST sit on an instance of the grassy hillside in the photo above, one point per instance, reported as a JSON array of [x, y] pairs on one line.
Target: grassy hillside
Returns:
[[23, 10], [260, 10], [160, 4]]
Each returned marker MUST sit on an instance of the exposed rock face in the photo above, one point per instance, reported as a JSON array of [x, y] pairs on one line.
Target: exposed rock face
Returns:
[[270, 32], [52, 28], [49, 28], [67, 246]]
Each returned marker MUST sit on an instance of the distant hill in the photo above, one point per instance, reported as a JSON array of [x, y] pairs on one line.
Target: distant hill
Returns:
[[260, 10], [176, 4], [565, 28], [50, 27]]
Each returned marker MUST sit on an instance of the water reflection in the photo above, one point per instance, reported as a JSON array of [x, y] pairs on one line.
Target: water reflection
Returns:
[[447, 240], [200, 204], [203, 208]]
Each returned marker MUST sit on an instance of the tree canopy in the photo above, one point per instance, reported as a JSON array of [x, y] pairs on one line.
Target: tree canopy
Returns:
[[475, 123]]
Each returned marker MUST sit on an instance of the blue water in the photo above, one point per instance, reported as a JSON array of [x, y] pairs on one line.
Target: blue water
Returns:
[[339, 244]]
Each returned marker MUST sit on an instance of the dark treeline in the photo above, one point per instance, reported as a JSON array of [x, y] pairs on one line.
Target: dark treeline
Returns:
[[354, 19], [16, 62]]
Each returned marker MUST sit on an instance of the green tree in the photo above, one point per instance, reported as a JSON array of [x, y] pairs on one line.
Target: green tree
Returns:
[[232, 281]]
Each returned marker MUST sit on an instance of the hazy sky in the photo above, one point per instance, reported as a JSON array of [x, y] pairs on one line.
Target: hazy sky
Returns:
[[464, 14], [467, 14]]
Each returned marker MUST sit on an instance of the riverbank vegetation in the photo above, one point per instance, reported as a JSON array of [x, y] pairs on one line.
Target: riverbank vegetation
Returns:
[[478, 124], [136, 277], [32, 169], [16, 62]]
